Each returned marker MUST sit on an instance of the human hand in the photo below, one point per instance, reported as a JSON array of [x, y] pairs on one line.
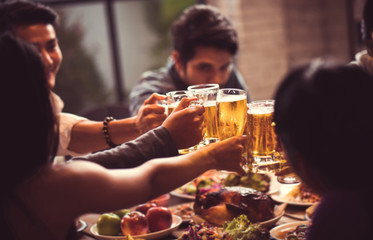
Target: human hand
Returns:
[[150, 115], [228, 153], [186, 124]]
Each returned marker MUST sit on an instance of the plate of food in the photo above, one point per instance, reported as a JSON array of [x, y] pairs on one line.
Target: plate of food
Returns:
[[296, 194], [238, 228], [184, 210], [221, 206], [176, 221], [214, 180], [293, 230]]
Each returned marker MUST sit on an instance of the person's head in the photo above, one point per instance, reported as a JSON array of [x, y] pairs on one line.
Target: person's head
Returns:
[[367, 26], [322, 118], [205, 44], [27, 115], [34, 23]]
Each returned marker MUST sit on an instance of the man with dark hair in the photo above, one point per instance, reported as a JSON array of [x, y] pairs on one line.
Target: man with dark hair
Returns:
[[36, 23], [204, 46]]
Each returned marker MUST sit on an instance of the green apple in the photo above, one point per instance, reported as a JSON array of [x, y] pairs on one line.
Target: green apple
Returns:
[[108, 224], [121, 212]]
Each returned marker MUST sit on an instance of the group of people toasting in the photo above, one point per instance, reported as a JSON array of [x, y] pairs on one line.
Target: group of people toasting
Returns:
[[320, 116]]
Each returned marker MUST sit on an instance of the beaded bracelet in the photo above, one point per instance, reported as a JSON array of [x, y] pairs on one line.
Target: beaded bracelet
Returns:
[[106, 131]]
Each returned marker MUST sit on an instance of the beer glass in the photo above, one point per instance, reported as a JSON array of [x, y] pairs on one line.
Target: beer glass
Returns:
[[174, 98], [262, 138], [231, 112], [206, 94], [265, 152]]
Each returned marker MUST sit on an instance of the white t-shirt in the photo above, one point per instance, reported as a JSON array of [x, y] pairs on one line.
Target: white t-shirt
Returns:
[[66, 123]]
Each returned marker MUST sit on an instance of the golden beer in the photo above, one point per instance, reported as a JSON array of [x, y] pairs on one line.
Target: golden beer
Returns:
[[231, 111], [211, 120], [263, 145], [262, 138], [171, 107]]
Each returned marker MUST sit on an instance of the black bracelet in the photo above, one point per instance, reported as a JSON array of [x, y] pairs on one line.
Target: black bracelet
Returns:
[[106, 131]]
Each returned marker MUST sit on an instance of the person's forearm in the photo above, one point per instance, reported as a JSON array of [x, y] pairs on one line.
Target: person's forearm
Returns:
[[87, 136], [154, 144]]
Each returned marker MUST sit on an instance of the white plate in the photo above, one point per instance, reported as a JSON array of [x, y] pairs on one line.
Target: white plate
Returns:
[[280, 231], [279, 211], [176, 221], [80, 225], [280, 199]]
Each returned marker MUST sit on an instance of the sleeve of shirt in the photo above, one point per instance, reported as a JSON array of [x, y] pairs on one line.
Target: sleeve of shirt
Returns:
[[153, 144], [67, 121], [151, 82]]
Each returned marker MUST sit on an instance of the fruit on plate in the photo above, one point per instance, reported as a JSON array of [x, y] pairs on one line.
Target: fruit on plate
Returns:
[[121, 212], [108, 224], [143, 208], [159, 218], [134, 223]]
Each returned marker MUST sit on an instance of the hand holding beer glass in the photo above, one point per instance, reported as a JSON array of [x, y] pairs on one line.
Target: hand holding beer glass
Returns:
[[173, 100], [264, 149], [206, 95]]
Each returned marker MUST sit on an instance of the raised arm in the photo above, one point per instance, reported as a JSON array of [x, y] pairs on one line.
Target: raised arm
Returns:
[[105, 190], [87, 136], [183, 128]]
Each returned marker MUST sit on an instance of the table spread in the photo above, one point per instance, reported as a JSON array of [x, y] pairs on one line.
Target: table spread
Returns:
[[292, 214]]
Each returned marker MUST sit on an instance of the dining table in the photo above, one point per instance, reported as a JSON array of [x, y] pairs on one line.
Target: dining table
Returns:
[[293, 213]]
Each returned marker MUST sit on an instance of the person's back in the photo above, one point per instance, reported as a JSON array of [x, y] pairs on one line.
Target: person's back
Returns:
[[204, 45], [322, 119]]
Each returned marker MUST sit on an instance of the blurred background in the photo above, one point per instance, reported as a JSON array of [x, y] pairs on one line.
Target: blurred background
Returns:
[[107, 44]]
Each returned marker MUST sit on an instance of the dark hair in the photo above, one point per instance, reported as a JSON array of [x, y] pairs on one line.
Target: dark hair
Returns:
[[322, 113], [367, 21], [25, 13], [202, 25], [29, 126]]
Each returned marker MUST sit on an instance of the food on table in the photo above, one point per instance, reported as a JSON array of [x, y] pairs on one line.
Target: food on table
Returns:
[[259, 182], [144, 207], [237, 229], [242, 228], [302, 193], [121, 212], [203, 231], [134, 223], [108, 224], [185, 211], [227, 203], [159, 218], [207, 181], [299, 233], [213, 181]]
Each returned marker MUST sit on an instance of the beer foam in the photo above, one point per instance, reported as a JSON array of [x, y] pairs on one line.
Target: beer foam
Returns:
[[260, 110], [232, 98]]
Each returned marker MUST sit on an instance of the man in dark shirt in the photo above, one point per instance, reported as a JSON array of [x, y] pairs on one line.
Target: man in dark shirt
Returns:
[[205, 44]]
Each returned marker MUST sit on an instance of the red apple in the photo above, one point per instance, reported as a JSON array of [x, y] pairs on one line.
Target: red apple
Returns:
[[143, 208], [159, 218], [134, 223]]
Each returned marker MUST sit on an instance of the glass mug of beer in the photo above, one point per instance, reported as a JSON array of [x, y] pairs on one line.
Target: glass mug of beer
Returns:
[[231, 112], [262, 138], [207, 94], [174, 98]]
